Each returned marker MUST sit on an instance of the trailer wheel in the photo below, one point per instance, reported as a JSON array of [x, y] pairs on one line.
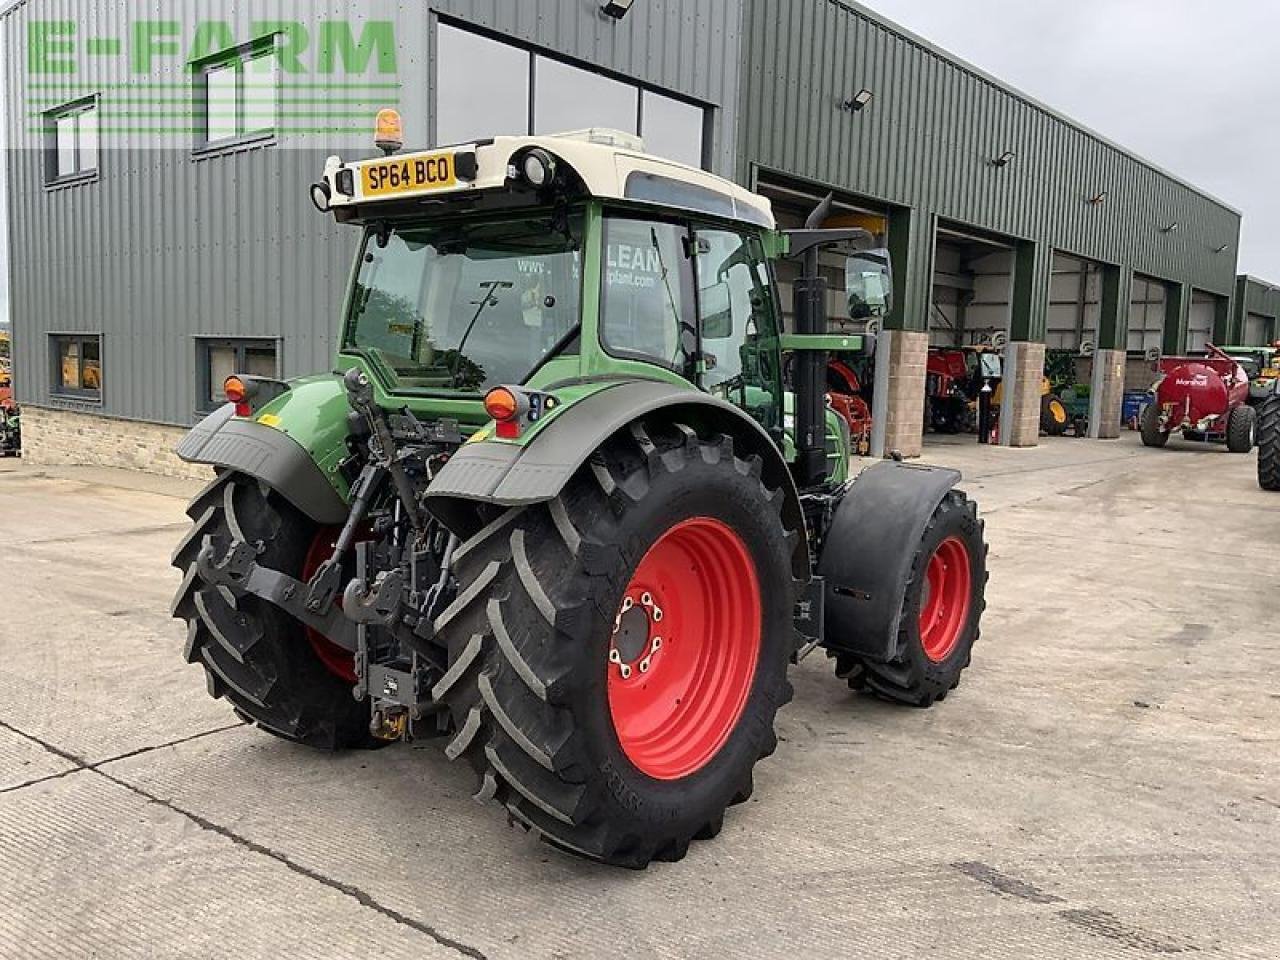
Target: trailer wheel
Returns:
[[617, 655], [940, 613], [1149, 425], [254, 654], [1269, 443], [1242, 423]]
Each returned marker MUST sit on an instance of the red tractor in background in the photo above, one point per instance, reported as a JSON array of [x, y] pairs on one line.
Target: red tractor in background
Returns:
[[1206, 398], [845, 397], [950, 390]]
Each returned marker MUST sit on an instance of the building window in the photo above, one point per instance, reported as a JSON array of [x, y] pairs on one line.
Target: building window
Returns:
[[569, 98], [219, 358], [482, 87], [72, 141], [77, 365], [487, 88], [237, 95]]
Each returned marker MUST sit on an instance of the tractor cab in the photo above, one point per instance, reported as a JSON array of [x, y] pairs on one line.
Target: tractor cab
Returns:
[[539, 265]]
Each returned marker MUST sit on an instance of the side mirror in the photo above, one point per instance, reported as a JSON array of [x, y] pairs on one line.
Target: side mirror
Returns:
[[717, 312], [868, 282]]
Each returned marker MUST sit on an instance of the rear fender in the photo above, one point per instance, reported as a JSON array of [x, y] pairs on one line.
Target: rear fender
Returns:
[[867, 554], [507, 474], [294, 444]]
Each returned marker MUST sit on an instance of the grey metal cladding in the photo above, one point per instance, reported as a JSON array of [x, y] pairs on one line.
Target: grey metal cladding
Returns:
[[928, 137], [162, 247]]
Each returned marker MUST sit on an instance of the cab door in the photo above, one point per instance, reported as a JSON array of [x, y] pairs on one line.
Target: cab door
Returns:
[[739, 359]]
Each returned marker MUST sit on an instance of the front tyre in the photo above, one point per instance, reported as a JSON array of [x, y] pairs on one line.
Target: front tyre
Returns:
[[940, 616], [266, 664], [617, 655]]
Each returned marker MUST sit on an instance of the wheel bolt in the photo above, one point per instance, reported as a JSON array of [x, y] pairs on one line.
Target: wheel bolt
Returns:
[[615, 656], [646, 598], [644, 665], [626, 672]]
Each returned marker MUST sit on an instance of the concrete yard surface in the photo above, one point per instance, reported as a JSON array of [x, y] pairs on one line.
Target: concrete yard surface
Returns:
[[1104, 783]]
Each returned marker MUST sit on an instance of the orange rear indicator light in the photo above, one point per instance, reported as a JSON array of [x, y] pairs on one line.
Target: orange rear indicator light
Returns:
[[237, 392], [501, 404]]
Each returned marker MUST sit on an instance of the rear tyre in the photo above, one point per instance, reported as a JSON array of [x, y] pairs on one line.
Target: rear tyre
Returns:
[[1054, 418], [1149, 425], [1242, 423], [253, 653], [617, 655], [1269, 443], [941, 612]]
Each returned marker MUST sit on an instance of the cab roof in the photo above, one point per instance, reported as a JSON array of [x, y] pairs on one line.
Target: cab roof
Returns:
[[606, 164]]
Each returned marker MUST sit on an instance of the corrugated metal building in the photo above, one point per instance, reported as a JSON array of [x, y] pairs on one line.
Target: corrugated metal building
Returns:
[[161, 233], [1256, 318]]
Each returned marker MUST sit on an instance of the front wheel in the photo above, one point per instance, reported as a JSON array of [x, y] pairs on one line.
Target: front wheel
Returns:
[[617, 656], [940, 616]]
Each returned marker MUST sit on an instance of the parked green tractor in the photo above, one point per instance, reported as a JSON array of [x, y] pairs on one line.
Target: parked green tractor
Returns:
[[556, 505]]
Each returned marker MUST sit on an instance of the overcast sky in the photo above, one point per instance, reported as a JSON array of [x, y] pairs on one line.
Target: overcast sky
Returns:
[[1191, 85]]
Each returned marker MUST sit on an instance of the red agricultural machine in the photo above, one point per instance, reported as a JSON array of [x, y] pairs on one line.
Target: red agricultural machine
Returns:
[[1206, 398], [845, 397]]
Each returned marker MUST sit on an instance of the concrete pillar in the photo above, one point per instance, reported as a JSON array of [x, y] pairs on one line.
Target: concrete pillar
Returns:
[[1106, 397], [898, 404], [1020, 408]]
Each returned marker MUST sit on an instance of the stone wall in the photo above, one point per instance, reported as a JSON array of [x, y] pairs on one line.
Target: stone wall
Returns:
[[906, 353], [74, 438], [1107, 394], [1020, 420]]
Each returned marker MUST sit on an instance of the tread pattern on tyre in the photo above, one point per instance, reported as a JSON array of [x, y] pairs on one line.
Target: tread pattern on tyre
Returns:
[[898, 680], [254, 655], [1240, 429], [511, 682], [1149, 426], [1269, 443]]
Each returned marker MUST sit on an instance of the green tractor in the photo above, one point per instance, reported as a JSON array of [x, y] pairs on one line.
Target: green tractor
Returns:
[[555, 503]]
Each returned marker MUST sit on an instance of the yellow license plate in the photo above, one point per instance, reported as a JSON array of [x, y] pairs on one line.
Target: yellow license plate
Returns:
[[387, 178]]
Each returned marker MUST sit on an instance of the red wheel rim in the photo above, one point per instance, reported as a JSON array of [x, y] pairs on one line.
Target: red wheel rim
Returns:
[[944, 609], [682, 657], [341, 663]]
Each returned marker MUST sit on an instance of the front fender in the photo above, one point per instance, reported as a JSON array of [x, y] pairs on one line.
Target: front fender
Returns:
[[867, 555], [294, 444], [507, 474]]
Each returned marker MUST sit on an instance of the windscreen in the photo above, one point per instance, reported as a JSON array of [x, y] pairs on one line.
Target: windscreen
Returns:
[[464, 307]]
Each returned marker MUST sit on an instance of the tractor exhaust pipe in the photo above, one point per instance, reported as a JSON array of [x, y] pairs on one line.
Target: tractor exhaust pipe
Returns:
[[810, 310]]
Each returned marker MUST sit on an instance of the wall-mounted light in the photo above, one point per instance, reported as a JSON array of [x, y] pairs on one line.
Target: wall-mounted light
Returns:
[[1004, 159], [1098, 199], [858, 100], [1171, 228], [616, 8], [1222, 249]]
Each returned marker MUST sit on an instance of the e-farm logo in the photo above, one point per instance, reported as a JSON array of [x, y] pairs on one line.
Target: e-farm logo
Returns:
[[209, 79]]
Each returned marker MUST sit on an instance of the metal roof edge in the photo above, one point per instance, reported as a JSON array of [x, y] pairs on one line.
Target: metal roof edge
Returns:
[[1250, 278], [852, 6]]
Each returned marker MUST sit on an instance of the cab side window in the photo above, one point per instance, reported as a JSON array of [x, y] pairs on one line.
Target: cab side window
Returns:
[[736, 317], [647, 305]]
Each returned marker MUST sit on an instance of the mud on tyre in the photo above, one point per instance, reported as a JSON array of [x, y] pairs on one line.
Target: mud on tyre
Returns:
[[585, 729]]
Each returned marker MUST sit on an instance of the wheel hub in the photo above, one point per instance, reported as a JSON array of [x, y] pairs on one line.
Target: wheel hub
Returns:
[[636, 639], [682, 654]]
